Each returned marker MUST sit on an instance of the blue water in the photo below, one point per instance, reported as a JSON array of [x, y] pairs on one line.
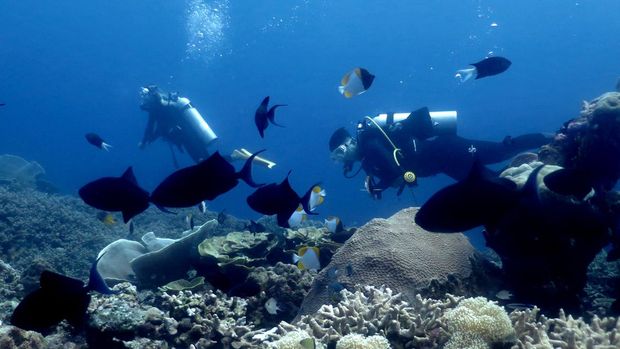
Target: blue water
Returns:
[[71, 67]]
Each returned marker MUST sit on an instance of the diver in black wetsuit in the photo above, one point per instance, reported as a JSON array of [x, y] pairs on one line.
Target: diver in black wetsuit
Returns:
[[395, 149]]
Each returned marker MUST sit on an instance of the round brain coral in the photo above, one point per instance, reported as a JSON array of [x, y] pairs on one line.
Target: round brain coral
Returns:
[[476, 323]]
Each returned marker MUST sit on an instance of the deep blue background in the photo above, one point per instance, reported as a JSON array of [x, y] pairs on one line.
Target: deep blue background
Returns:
[[71, 67]]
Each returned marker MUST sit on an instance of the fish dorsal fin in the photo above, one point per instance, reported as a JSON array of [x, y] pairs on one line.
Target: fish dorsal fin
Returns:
[[129, 176], [358, 72], [265, 102], [316, 250], [302, 251], [345, 79]]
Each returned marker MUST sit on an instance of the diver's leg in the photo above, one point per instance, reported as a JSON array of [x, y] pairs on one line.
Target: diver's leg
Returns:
[[492, 152]]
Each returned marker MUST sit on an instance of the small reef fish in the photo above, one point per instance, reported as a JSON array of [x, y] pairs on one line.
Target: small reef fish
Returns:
[[202, 207], [317, 197], [207, 180], [264, 116], [487, 67], [116, 194], [355, 82], [308, 343], [58, 298], [271, 305], [333, 224], [189, 219], [131, 227], [503, 295], [307, 258], [97, 141], [106, 218], [279, 199], [2, 104], [298, 217]]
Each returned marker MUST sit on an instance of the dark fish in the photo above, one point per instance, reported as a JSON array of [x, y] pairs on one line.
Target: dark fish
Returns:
[[264, 116], [254, 227], [58, 298], [116, 194], [2, 104], [491, 66], [279, 199], [205, 181], [487, 67], [97, 141], [451, 209]]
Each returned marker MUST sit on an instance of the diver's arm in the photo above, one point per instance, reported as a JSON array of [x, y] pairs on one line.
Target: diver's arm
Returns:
[[378, 161], [149, 132]]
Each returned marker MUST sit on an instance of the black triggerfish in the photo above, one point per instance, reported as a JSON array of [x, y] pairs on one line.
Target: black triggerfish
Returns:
[[116, 194], [206, 180], [487, 67]]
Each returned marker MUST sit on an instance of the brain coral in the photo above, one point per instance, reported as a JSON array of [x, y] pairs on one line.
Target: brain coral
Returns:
[[397, 253]]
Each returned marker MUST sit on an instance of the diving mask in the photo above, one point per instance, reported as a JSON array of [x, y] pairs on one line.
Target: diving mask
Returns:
[[339, 154]]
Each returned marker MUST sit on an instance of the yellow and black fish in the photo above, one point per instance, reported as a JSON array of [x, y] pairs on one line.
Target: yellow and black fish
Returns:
[[356, 82], [106, 218]]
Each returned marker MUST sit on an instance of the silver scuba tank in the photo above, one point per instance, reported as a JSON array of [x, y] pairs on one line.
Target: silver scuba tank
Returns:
[[197, 134], [444, 122]]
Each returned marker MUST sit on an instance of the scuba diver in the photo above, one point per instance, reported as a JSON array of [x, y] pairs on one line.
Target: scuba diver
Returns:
[[175, 120], [396, 148]]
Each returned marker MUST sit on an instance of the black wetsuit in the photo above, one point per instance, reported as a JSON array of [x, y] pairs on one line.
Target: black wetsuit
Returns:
[[448, 154]]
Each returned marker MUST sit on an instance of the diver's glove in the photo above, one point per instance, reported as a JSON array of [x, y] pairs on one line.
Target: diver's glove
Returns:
[[244, 154]]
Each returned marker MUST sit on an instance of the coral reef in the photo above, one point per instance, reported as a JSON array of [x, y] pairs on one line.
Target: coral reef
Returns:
[[477, 323], [15, 338], [535, 331], [430, 264], [590, 142], [19, 172]]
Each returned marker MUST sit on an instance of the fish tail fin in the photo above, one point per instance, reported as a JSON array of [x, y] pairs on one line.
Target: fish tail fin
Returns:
[[341, 89], [246, 172], [465, 74], [296, 258], [271, 115], [105, 146], [96, 282]]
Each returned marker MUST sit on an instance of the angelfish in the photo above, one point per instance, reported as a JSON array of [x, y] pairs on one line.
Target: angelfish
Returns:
[[264, 116], [487, 67], [355, 82], [97, 141]]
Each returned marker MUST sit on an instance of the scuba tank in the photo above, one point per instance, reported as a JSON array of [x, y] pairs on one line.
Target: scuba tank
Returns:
[[442, 122]]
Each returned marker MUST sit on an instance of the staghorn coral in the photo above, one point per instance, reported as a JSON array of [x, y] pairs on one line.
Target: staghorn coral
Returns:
[[430, 264], [535, 331], [368, 311], [356, 341]]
